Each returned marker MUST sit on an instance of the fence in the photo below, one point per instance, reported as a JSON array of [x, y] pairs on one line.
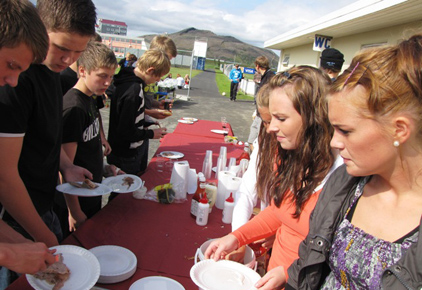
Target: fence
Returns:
[[247, 86]]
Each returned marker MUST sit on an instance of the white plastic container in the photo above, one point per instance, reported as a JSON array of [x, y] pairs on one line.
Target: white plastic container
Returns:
[[228, 209], [249, 260], [203, 211]]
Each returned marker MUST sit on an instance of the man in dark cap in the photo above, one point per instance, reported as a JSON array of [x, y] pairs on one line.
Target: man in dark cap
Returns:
[[331, 62]]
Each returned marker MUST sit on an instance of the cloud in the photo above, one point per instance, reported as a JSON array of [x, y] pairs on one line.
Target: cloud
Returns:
[[265, 21]]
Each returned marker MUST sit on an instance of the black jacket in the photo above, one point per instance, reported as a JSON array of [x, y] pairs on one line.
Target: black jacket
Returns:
[[311, 269]]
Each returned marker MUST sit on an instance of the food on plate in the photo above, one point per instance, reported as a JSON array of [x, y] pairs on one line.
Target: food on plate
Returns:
[[165, 112], [75, 184], [128, 181], [55, 274], [190, 119], [85, 184], [167, 154]]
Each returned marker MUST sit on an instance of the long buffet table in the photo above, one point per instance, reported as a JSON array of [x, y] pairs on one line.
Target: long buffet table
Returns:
[[164, 237]]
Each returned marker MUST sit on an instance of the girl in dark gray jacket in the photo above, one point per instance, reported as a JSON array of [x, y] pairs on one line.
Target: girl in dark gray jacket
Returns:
[[365, 228]]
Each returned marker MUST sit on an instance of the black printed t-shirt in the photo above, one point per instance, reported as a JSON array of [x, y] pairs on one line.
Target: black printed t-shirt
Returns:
[[81, 124], [33, 110]]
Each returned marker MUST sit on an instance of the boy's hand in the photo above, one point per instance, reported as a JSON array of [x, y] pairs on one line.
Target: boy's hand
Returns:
[[160, 133], [158, 114]]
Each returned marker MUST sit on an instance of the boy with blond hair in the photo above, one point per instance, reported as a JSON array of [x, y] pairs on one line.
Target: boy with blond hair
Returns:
[[31, 130], [81, 130], [127, 111]]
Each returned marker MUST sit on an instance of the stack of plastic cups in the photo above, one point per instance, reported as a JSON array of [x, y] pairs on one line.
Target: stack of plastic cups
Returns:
[[220, 166], [243, 167], [207, 165], [232, 162], [223, 155], [221, 161]]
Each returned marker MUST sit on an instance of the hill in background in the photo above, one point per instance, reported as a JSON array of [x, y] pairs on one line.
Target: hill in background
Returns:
[[227, 48]]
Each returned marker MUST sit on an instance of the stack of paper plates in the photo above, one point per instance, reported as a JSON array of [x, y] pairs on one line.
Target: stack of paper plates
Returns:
[[223, 275], [156, 283], [116, 263]]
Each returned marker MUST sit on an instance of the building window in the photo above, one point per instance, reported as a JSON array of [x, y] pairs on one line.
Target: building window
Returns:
[[364, 46], [286, 60]]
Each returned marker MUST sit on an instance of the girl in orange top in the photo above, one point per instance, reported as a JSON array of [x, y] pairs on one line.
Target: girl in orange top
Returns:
[[299, 121]]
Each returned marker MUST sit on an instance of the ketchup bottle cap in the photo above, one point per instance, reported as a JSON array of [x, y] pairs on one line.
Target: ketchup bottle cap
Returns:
[[203, 199], [230, 198]]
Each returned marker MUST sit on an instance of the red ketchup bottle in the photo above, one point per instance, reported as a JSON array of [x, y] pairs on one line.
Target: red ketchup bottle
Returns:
[[245, 154], [200, 191]]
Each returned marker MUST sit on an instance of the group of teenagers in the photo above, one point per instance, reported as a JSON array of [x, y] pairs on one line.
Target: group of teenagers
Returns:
[[338, 164], [53, 72]]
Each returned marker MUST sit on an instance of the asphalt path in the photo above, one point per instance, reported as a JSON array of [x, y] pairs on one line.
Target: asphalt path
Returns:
[[205, 103]]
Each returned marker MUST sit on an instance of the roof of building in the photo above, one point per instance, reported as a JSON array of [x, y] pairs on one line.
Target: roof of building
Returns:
[[359, 17], [106, 21], [107, 35]]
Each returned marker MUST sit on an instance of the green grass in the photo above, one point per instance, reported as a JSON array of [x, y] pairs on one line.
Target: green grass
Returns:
[[223, 84], [183, 71]]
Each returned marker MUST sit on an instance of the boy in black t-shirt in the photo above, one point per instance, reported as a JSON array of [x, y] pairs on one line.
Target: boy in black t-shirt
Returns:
[[81, 128], [127, 111], [23, 40], [31, 126]]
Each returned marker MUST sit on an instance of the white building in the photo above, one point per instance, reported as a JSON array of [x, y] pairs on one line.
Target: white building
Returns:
[[124, 44], [362, 24], [112, 27]]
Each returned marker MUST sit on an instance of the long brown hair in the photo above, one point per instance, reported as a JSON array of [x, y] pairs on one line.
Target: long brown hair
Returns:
[[267, 149], [301, 170]]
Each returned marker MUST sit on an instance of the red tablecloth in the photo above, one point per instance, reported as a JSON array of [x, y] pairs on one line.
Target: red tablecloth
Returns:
[[164, 237], [202, 128]]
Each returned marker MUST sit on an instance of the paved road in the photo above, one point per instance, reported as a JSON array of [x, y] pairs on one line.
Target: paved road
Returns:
[[205, 103]]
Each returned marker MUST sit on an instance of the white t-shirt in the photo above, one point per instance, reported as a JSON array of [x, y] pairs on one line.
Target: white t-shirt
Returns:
[[246, 196]]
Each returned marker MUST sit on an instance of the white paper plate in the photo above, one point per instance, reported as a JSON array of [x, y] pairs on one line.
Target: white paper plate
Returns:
[[224, 274], [116, 263], [156, 283], [219, 131], [185, 121], [69, 189], [116, 183], [83, 265], [172, 154], [190, 119]]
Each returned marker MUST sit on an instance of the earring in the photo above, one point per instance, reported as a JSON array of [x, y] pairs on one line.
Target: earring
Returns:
[[396, 143]]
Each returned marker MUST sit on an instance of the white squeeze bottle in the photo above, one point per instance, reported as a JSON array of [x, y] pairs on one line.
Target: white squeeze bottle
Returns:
[[228, 209], [203, 211]]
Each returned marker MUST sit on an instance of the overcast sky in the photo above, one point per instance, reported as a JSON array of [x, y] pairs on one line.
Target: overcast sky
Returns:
[[251, 21]]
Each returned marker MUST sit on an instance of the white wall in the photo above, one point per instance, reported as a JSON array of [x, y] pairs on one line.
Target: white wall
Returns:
[[349, 45]]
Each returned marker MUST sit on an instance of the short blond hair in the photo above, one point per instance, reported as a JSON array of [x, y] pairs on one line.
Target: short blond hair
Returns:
[[165, 44], [154, 58], [97, 55]]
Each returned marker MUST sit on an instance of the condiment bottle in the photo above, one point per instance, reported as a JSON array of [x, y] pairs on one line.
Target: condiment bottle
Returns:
[[245, 154], [228, 209], [200, 190], [203, 211]]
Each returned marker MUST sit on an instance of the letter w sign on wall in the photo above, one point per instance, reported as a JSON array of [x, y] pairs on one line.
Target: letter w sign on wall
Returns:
[[321, 42]]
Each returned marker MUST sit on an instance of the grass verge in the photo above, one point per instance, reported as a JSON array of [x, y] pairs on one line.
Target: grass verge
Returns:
[[223, 84]]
